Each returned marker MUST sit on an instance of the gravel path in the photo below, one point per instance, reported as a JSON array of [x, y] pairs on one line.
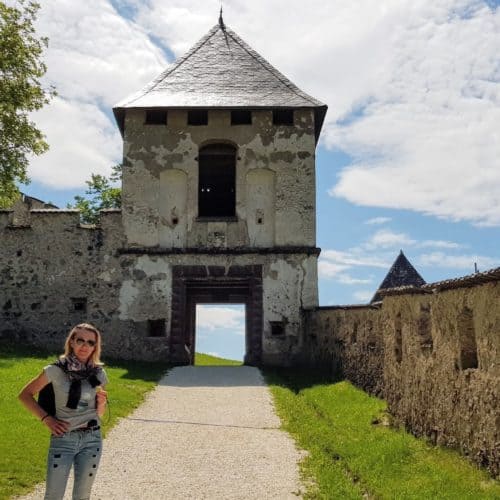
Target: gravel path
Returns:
[[203, 433]]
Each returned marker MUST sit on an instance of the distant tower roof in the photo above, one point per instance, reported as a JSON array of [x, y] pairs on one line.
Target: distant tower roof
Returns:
[[402, 273], [221, 71]]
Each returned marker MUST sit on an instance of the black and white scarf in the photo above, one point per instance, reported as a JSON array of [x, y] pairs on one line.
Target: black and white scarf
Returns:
[[77, 371]]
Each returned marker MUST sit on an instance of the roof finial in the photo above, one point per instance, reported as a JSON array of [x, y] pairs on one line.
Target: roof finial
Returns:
[[221, 21]]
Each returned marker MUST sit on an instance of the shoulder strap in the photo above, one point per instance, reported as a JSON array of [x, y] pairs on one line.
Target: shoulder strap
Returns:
[[47, 399]]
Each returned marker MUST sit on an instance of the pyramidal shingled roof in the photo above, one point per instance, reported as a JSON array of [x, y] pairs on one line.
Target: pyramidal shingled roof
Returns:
[[221, 71], [402, 273]]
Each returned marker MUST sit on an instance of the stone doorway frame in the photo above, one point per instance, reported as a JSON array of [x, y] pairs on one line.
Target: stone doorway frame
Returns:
[[193, 285]]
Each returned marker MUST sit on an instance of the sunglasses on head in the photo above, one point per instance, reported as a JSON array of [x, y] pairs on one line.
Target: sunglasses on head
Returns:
[[79, 341]]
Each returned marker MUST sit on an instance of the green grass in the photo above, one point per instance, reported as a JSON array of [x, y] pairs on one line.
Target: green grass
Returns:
[[351, 457], [24, 440], [207, 360]]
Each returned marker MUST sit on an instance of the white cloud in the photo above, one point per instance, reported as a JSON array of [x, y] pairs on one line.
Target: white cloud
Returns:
[[426, 139], [379, 252], [95, 58], [333, 264], [464, 262], [363, 295], [413, 87], [333, 270], [328, 269], [220, 318], [385, 238], [93, 145], [95, 54], [439, 244], [353, 257], [378, 220], [346, 279]]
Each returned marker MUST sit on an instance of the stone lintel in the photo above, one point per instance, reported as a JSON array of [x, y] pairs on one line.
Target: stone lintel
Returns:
[[219, 251]]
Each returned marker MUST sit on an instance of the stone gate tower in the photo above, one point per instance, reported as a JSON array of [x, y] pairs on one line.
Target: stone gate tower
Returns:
[[219, 197]]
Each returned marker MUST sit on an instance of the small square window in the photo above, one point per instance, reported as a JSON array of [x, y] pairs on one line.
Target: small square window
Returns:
[[79, 304], [156, 117], [241, 117], [156, 327], [283, 117], [198, 117], [277, 328]]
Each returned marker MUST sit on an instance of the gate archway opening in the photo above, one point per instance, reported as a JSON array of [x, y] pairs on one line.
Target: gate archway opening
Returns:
[[220, 331], [192, 285]]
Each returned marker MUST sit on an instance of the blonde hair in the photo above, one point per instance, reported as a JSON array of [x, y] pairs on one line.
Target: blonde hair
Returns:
[[96, 354]]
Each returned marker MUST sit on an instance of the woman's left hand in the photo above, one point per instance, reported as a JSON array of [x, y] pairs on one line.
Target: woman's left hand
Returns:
[[101, 399]]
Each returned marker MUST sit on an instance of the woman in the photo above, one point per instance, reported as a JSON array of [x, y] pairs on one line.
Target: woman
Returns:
[[77, 379]]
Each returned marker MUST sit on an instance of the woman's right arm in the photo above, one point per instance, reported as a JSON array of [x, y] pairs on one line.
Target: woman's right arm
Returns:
[[27, 398]]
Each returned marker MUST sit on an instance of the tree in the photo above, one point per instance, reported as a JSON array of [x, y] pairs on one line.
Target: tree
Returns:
[[99, 195], [21, 93]]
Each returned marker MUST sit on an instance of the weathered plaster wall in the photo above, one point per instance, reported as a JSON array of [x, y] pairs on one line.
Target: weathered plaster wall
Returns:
[[51, 261], [275, 181], [435, 358], [275, 207], [288, 280]]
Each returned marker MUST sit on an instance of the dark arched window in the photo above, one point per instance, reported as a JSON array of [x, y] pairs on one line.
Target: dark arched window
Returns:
[[217, 181]]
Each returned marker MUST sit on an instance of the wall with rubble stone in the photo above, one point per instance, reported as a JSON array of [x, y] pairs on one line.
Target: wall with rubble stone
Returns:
[[55, 272], [434, 357]]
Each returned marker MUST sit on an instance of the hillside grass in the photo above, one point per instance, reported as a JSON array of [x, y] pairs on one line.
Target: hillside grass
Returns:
[[208, 360], [354, 454], [24, 440]]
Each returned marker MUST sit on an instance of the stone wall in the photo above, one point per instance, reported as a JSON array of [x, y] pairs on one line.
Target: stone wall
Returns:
[[434, 356], [56, 272]]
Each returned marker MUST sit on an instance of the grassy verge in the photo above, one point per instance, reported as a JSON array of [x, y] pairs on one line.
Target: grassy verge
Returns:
[[207, 360], [24, 441], [352, 454]]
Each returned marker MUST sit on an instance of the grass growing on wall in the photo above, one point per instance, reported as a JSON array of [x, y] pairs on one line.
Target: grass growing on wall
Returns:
[[24, 440], [352, 454]]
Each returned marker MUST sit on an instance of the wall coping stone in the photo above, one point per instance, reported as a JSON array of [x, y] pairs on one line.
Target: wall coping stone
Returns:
[[402, 290], [54, 211], [347, 307], [466, 281], [462, 282]]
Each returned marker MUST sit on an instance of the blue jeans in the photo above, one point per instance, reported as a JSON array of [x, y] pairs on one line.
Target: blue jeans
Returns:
[[79, 449]]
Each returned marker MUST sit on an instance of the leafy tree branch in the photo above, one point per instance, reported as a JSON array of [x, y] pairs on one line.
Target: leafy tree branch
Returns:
[[100, 194], [21, 92]]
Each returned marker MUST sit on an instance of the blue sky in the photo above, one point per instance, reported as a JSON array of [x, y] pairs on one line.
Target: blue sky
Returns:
[[410, 151]]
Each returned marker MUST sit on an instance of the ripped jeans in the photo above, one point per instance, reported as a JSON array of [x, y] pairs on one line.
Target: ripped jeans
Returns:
[[79, 449]]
